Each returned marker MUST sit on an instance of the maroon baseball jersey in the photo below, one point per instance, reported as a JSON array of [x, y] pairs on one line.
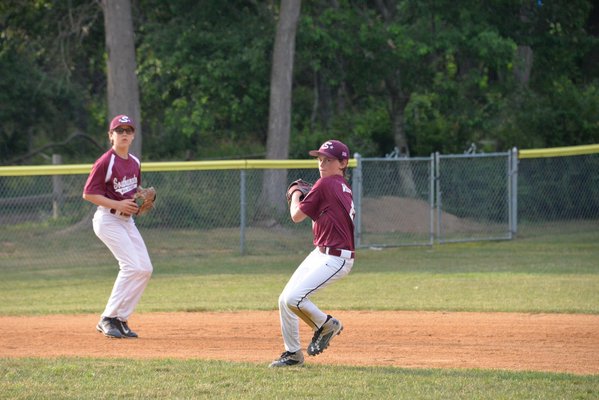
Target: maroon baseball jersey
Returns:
[[330, 205], [114, 177]]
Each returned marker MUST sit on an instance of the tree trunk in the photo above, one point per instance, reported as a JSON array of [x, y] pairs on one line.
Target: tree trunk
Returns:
[[279, 119], [398, 106], [398, 100], [407, 186], [523, 65], [123, 89]]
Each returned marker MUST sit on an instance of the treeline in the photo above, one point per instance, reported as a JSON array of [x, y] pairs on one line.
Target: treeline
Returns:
[[406, 77]]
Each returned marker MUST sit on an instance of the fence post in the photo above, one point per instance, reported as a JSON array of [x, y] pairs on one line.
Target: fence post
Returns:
[[438, 196], [514, 192], [242, 211], [357, 195], [57, 189], [431, 199]]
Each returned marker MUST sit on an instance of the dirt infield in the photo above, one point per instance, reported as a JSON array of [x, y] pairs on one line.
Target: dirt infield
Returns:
[[508, 341]]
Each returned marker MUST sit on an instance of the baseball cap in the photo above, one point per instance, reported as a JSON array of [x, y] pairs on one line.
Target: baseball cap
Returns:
[[332, 149], [121, 120]]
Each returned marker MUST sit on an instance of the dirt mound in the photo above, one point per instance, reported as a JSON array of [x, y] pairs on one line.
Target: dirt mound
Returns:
[[389, 214]]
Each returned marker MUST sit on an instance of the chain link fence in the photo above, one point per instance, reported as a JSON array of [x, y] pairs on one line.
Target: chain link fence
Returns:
[[417, 201], [443, 198], [473, 197], [558, 194], [394, 201]]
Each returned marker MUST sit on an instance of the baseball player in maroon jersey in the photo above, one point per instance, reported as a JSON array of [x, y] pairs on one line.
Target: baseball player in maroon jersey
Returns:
[[111, 186], [330, 206]]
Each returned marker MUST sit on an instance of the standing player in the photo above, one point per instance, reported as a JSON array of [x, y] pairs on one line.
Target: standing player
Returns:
[[330, 206], [111, 186]]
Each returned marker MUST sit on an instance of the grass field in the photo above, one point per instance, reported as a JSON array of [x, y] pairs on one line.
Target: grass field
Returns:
[[553, 273], [164, 379]]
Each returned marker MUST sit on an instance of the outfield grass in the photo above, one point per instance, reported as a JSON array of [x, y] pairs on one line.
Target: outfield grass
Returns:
[[189, 379], [552, 273]]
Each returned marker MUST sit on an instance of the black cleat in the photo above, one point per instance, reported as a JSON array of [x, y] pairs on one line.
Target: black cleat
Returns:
[[124, 328], [322, 337], [109, 327], [288, 359]]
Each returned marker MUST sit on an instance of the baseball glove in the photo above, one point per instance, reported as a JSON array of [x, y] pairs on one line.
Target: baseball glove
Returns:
[[299, 185], [145, 198]]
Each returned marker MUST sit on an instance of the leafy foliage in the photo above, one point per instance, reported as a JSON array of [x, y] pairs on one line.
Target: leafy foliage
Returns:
[[53, 78], [441, 74], [203, 75]]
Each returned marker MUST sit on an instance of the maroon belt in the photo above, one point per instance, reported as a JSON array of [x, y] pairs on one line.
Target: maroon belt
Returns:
[[113, 211], [335, 252]]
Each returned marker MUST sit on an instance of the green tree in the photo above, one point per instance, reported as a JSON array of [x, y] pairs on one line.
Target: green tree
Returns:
[[401, 56], [204, 72], [379, 74], [560, 106], [52, 81]]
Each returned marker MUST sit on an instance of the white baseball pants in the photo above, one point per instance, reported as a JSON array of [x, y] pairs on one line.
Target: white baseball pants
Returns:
[[316, 272], [121, 236]]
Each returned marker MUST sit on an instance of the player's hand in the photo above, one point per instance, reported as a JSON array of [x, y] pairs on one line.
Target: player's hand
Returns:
[[127, 206]]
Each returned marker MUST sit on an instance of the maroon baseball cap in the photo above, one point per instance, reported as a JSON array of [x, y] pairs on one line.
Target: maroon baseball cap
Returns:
[[121, 120], [332, 149]]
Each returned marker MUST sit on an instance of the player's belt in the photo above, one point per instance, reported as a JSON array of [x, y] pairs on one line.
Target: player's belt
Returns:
[[113, 211], [337, 252]]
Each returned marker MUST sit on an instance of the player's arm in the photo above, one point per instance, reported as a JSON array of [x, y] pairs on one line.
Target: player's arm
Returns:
[[294, 210], [127, 206]]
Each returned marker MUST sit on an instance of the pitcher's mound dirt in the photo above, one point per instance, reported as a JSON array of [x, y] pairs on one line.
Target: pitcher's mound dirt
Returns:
[[509, 341]]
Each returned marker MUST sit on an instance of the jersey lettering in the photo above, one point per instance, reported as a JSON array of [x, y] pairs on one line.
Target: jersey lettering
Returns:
[[126, 185], [114, 177]]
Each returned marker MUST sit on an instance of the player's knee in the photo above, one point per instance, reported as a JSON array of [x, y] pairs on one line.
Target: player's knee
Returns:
[[288, 301], [282, 300], [146, 273], [142, 271], [148, 269], [143, 266]]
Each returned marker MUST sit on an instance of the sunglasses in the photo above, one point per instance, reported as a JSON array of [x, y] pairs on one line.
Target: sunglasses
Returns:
[[120, 131]]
